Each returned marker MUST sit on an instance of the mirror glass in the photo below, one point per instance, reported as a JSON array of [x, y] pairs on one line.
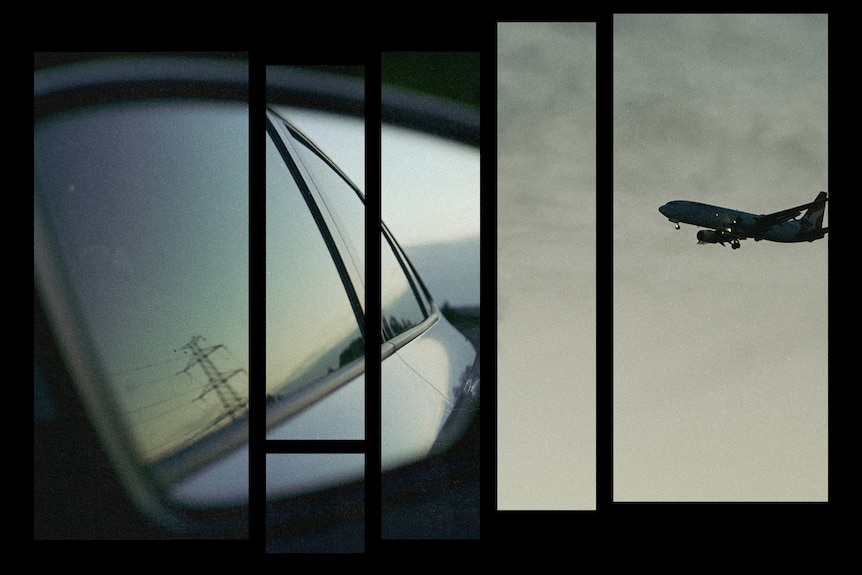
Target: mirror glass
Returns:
[[147, 203]]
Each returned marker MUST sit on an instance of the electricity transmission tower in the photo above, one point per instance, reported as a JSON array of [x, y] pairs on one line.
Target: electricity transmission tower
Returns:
[[233, 405]]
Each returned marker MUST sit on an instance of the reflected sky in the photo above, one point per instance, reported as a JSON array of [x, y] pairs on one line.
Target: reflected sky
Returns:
[[430, 188], [149, 204]]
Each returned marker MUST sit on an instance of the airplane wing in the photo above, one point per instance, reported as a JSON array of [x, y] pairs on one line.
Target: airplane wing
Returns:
[[769, 220]]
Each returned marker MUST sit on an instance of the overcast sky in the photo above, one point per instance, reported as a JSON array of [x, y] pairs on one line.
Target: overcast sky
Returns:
[[546, 266], [720, 355]]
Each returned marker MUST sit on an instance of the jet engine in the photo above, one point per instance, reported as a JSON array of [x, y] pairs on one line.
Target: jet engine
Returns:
[[710, 237]]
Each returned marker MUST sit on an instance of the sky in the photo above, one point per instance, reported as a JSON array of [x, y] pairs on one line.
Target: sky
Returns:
[[720, 355], [546, 266]]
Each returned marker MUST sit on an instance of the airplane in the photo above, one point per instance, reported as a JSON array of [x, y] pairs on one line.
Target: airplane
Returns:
[[731, 225]]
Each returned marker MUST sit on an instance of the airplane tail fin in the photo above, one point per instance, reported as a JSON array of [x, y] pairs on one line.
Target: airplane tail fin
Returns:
[[814, 214], [813, 218]]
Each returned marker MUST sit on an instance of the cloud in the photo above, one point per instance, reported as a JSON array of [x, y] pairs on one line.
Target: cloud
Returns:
[[722, 106]]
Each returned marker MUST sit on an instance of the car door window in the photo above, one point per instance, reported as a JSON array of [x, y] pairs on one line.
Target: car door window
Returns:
[[311, 326], [399, 297], [341, 201]]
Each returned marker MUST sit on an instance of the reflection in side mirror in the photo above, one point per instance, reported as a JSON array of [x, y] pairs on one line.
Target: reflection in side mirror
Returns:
[[141, 257], [430, 379], [430, 203]]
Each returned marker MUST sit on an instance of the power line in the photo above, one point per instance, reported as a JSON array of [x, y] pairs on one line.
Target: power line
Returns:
[[233, 405]]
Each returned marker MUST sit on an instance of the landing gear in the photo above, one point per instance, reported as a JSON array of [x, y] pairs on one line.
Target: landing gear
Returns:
[[735, 244], [677, 225]]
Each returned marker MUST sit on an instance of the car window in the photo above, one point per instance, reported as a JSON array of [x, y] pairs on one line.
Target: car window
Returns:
[[311, 327], [147, 204], [399, 297], [339, 198]]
